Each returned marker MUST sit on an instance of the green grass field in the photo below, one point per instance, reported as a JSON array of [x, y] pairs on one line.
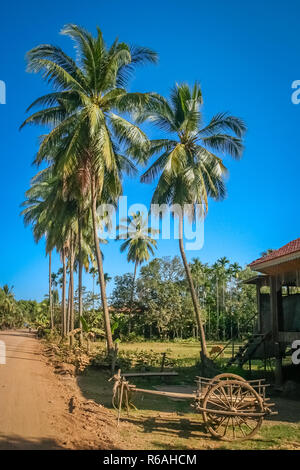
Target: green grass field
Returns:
[[185, 355]]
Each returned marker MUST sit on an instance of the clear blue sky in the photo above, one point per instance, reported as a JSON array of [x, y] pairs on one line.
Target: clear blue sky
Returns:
[[245, 55]]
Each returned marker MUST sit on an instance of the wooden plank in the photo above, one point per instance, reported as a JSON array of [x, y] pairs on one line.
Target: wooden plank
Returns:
[[192, 396], [150, 374], [165, 394], [288, 336]]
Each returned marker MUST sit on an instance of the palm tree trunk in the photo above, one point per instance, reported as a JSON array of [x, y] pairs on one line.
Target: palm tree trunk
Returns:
[[80, 276], [192, 289], [64, 295], [110, 346], [71, 288], [50, 294], [94, 292], [218, 310], [132, 294], [68, 320]]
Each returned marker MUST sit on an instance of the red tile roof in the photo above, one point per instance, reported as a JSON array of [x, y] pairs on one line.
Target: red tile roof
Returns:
[[287, 249]]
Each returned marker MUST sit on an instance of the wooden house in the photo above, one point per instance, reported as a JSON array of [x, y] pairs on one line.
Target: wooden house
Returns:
[[277, 283]]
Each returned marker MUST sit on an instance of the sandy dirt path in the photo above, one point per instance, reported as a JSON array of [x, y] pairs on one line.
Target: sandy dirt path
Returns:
[[35, 410], [28, 399]]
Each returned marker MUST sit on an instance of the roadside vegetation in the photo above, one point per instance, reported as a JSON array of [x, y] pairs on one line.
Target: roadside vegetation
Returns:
[[154, 305]]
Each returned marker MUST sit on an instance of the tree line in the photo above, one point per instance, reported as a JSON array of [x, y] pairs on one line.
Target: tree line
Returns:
[[156, 305], [162, 305]]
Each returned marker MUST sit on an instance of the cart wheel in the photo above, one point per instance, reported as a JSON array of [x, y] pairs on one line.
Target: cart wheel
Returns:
[[232, 396], [227, 376]]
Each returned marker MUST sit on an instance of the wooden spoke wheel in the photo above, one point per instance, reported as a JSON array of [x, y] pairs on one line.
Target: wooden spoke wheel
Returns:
[[233, 410], [227, 376]]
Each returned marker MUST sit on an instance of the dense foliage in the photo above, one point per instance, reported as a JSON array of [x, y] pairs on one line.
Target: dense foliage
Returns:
[[19, 313], [163, 306]]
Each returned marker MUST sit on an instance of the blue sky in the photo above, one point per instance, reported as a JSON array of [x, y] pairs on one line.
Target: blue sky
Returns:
[[245, 55]]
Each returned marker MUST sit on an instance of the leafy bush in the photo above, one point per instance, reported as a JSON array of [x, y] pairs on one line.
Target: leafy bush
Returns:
[[133, 338], [139, 360]]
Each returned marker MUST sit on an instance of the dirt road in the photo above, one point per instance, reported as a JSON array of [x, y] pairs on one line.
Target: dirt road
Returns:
[[34, 403], [26, 410]]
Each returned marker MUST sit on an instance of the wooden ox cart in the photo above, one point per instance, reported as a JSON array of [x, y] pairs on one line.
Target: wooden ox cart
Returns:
[[232, 408]]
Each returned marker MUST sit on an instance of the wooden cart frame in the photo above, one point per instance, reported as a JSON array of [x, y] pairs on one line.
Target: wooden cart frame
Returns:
[[232, 408]]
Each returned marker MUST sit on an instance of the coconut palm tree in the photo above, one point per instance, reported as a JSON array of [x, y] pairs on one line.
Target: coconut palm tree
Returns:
[[35, 213], [52, 212], [138, 243], [107, 278], [84, 112], [189, 171]]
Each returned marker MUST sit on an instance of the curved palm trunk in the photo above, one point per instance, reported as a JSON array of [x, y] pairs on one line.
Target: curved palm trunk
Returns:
[[193, 292], [64, 325], [50, 294], [110, 345], [72, 293], [71, 288], [80, 276], [68, 320]]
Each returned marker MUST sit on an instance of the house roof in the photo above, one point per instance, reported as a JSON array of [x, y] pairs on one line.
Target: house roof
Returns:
[[258, 279], [290, 248]]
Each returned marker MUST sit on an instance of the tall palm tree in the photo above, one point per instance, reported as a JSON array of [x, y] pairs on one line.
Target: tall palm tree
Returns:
[[107, 278], [138, 243], [35, 213], [189, 170], [52, 212], [84, 111], [234, 269]]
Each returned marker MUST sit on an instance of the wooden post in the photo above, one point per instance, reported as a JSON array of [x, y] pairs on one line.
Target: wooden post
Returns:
[[121, 398], [259, 319], [278, 366], [114, 357], [274, 288], [163, 361]]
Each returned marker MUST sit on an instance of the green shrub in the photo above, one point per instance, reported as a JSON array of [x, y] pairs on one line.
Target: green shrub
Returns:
[[139, 360]]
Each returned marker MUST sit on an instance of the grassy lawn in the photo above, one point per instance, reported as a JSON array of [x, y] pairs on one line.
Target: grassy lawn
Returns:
[[189, 350], [186, 355]]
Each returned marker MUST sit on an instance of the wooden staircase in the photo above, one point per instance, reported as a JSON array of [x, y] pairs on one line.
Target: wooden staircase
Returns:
[[247, 350]]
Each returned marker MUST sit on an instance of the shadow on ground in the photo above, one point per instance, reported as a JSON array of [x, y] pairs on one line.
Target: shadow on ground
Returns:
[[14, 442]]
